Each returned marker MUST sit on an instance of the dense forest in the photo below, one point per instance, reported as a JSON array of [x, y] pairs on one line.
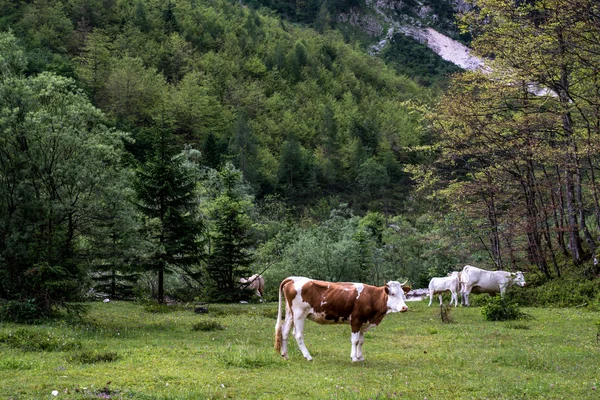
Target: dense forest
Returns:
[[156, 149]]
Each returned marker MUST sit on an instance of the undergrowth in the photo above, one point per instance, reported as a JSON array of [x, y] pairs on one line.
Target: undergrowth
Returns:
[[35, 340], [207, 326], [93, 356], [501, 309]]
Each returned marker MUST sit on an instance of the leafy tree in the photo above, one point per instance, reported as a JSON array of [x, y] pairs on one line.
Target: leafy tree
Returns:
[[554, 44], [166, 194], [372, 179], [57, 160]]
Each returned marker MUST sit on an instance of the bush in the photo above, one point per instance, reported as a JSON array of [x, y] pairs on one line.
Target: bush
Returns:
[[499, 309], [562, 292], [20, 311], [92, 357], [207, 326]]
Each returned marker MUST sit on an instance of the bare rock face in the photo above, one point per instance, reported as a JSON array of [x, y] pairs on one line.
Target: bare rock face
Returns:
[[366, 23]]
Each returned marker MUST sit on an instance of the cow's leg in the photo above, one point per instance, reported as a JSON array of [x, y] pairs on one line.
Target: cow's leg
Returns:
[[287, 326], [430, 297], [455, 299], [299, 335], [466, 297], [354, 340], [441, 301], [357, 339]]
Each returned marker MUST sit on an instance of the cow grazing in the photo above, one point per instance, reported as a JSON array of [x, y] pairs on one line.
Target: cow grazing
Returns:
[[360, 305], [449, 283], [477, 280], [255, 282]]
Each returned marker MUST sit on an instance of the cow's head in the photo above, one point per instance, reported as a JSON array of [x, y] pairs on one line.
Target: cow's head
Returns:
[[396, 296], [518, 278]]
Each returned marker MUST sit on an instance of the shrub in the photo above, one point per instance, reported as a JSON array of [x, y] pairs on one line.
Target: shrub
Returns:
[[207, 326], [20, 311], [568, 291], [92, 357], [499, 309]]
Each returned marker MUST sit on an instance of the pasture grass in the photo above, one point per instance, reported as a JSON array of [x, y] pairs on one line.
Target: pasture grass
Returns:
[[124, 350]]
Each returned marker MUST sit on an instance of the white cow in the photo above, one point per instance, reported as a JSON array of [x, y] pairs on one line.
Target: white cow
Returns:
[[477, 280], [448, 283], [255, 282]]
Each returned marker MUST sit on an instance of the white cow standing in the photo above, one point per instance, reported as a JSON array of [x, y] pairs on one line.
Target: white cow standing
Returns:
[[256, 282], [477, 280], [448, 283]]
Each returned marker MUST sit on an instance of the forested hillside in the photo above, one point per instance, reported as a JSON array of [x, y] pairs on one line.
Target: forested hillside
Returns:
[[167, 148], [300, 113]]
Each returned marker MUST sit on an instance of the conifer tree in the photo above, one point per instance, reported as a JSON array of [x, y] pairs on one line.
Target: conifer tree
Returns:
[[165, 188], [231, 241]]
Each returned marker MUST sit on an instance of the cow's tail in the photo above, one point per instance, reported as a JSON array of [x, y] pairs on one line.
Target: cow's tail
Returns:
[[463, 274], [278, 325]]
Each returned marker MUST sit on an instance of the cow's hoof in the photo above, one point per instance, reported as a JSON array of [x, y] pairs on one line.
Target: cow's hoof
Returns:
[[309, 358]]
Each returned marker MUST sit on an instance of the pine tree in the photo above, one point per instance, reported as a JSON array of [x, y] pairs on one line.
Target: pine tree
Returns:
[[231, 241], [165, 188]]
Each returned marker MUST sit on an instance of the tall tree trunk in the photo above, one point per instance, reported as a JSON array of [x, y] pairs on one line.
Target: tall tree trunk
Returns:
[[557, 210], [161, 282], [570, 161], [493, 232], [546, 233]]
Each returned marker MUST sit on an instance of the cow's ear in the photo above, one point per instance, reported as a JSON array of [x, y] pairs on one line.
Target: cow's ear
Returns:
[[387, 289]]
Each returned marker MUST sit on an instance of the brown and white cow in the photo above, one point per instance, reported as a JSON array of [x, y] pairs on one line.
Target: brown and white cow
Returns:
[[255, 282], [477, 280], [360, 305]]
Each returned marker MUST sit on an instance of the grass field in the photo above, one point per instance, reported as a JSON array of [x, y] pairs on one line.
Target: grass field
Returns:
[[152, 353]]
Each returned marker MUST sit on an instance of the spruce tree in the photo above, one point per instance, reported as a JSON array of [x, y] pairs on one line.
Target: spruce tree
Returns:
[[166, 192], [231, 242]]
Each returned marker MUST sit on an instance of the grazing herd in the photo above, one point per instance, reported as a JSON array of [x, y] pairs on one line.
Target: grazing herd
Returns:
[[474, 280], [364, 306]]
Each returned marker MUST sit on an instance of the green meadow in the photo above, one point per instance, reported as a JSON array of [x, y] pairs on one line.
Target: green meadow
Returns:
[[122, 350]]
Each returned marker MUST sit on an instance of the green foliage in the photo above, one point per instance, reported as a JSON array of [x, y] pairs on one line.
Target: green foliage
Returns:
[[569, 291], [199, 65], [501, 309], [93, 357], [19, 311], [36, 340], [166, 194], [12, 57], [417, 61], [231, 242], [207, 326], [58, 163]]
